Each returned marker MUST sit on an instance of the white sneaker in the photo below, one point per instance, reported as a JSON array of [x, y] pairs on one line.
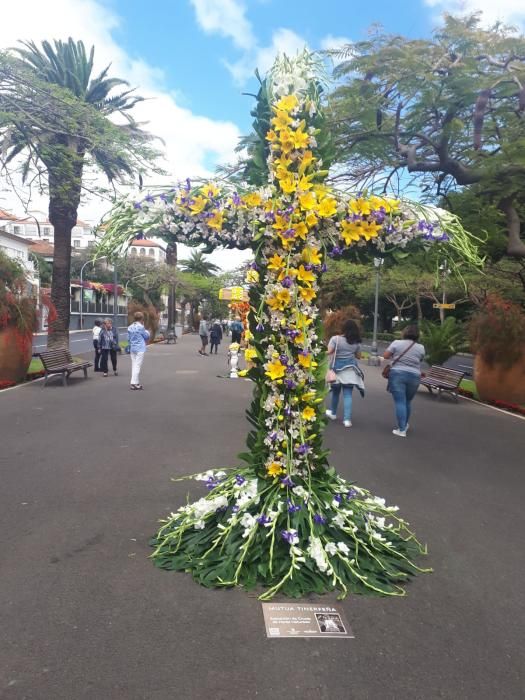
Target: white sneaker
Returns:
[[330, 415], [347, 423], [399, 433]]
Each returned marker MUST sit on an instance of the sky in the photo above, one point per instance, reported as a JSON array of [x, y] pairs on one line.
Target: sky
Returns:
[[194, 59]]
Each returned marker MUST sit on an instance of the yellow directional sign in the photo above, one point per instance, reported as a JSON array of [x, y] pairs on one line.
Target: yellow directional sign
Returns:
[[444, 306], [233, 294]]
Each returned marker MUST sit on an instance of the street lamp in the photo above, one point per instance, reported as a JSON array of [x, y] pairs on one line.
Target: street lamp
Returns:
[[373, 358], [89, 262], [443, 269]]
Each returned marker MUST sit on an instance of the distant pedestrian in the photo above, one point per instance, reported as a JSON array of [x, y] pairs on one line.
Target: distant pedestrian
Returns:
[[96, 332], [215, 336], [344, 351], [236, 329], [137, 337], [108, 344], [405, 375], [203, 333]]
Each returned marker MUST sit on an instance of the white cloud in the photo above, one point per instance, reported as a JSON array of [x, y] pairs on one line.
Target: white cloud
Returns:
[[334, 43], [191, 141], [262, 57], [509, 11], [225, 17]]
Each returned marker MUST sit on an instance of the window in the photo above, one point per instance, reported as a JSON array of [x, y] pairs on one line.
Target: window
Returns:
[[46, 231], [151, 253], [76, 243], [143, 251], [17, 230], [133, 251]]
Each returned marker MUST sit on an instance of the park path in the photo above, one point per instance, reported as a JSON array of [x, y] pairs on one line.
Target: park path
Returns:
[[85, 474]]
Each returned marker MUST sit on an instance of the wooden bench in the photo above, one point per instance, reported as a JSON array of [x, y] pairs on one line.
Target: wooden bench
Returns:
[[443, 379], [60, 361]]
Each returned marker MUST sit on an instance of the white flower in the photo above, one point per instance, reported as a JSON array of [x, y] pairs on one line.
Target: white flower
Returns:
[[247, 520], [339, 520], [199, 525], [331, 548], [302, 493], [341, 546]]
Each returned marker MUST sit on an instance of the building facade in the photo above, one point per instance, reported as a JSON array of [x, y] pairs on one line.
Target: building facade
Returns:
[[37, 227]]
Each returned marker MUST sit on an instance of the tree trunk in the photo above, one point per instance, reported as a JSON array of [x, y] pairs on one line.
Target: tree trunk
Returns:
[[515, 245], [419, 309], [65, 182], [171, 259]]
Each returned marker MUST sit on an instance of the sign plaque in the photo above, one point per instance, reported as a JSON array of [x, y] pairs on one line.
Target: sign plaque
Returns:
[[444, 306], [305, 620]]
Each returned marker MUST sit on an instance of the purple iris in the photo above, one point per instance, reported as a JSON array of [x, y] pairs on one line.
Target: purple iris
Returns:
[[338, 497], [336, 250], [308, 266], [284, 359], [137, 205], [286, 481], [303, 449], [235, 509], [289, 233], [188, 184], [259, 327], [290, 384], [323, 267], [289, 536], [287, 411], [221, 509], [211, 483], [240, 480], [254, 266], [319, 519], [292, 508], [287, 281], [264, 519], [352, 493], [444, 237]]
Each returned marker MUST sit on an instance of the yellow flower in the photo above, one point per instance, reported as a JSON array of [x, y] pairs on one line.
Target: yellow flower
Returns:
[[275, 262], [305, 276], [279, 300], [309, 396], [301, 230], [350, 231], [359, 206], [305, 360], [311, 219], [370, 230], [252, 276], [281, 224], [299, 339], [308, 294], [306, 161], [287, 241], [288, 183], [248, 335], [198, 204], [287, 103], [311, 255], [275, 370], [215, 221], [282, 120], [287, 144], [302, 321], [283, 162], [327, 207], [291, 272], [304, 184], [210, 190], [308, 413], [253, 199], [300, 139], [242, 372], [308, 201], [274, 469], [271, 136], [250, 354]]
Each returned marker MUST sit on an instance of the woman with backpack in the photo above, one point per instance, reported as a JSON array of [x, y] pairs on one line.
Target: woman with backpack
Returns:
[[344, 350], [108, 346], [203, 333]]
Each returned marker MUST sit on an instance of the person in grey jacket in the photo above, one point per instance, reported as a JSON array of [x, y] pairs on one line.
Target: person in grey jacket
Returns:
[[108, 346], [204, 333]]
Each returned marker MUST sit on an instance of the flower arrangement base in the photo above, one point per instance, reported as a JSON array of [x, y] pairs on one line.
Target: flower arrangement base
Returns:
[[15, 355], [290, 536], [499, 383]]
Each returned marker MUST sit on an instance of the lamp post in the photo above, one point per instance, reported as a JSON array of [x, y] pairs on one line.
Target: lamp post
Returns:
[[82, 289], [443, 268], [373, 358]]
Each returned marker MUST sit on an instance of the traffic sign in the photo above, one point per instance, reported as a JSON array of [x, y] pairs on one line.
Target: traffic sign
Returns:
[[444, 306]]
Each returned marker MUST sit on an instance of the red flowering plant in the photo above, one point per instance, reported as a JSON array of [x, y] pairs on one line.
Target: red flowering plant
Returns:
[[497, 332], [16, 309]]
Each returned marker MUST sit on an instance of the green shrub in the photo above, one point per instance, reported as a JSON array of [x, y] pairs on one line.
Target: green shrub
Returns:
[[442, 341]]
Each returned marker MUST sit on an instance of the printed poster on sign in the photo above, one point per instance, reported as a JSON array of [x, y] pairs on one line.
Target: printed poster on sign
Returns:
[[303, 620]]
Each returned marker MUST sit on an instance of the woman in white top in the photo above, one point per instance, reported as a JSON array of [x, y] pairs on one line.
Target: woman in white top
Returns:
[[96, 332], [405, 375], [344, 351]]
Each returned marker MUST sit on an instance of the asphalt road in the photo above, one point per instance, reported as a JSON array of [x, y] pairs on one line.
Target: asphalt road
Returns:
[[84, 615], [79, 341]]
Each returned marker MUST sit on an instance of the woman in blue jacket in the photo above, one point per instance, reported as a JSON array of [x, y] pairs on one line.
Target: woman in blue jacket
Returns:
[[108, 346], [137, 337]]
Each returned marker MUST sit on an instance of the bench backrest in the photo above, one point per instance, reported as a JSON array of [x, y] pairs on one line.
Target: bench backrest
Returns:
[[445, 374], [54, 359]]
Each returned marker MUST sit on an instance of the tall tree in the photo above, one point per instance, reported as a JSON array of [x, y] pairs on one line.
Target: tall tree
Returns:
[[447, 112], [59, 118], [198, 265]]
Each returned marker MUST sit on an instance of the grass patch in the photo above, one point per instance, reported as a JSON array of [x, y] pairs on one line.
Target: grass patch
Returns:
[[469, 385]]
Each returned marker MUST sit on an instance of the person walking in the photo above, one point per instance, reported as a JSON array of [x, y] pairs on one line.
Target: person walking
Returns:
[[344, 351], [215, 336], [137, 337], [236, 329], [108, 345], [203, 333], [96, 332], [404, 375]]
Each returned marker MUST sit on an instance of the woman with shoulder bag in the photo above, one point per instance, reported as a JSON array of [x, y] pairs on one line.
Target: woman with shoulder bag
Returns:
[[404, 375], [108, 345], [344, 373]]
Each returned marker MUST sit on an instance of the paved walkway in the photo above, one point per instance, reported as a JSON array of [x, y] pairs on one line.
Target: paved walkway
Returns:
[[84, 615]]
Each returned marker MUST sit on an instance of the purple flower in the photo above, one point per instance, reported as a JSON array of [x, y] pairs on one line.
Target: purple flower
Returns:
[[323, 267], [236, 199], [338, 497], [352, 493], [211, 483], [188, 184], [292, 508], [336, 250], [290, 536], [259, 327], [319, 519], [290, 384], [308, 266], [254, 266], [284, 359], [286, 481], [289, 233], [287, 411], [221, 509], [287, 281], [303, 449], [240, 480], [137, 205], [263, 519], [235, 509], [273, 436]]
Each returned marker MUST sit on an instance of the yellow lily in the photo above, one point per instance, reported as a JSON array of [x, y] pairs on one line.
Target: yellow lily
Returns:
[[275, 370], [301, 230], [311, 219], [307, 201], [275, 262], [288, 183], [305, 276], [210, 190], [305, 360], [301, 139], [274, 469], [311, 255], [327, 207], [198, 204], [215, 221], [253, 199], [350, 231], [359, 206], [308, 413], [287, 103], [282, 120], [250, 354], [307, 293]]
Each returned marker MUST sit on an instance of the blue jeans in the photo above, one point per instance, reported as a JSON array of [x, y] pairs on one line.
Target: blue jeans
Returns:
[[403, 386], [347, 399]]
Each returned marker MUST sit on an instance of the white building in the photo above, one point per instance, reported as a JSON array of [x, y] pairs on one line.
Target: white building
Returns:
[[147, 248], [37, 227], [18, 249]]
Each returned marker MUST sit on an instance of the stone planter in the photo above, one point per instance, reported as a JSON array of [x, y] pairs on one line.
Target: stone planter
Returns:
[[15, 356], [499, 382]]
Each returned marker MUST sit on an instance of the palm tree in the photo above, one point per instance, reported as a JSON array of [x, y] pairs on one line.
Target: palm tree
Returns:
[[198, 265], [58, 116]]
